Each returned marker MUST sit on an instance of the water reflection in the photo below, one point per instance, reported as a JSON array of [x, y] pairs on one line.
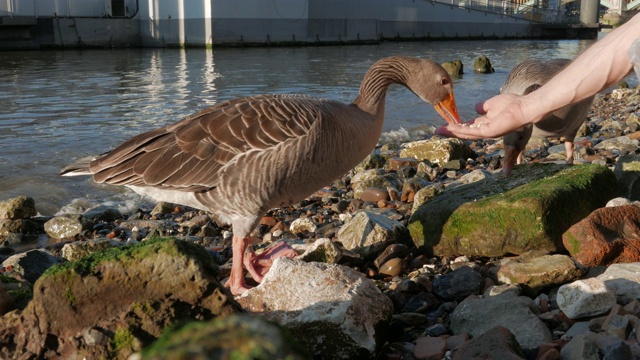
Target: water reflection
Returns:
[[61, 105]]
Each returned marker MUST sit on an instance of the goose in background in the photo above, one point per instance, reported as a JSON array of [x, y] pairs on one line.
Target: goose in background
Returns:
[[565, 122], [242, 157]]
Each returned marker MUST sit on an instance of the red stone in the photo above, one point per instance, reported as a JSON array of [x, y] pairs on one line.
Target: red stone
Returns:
[[608, 235], [428, 347]]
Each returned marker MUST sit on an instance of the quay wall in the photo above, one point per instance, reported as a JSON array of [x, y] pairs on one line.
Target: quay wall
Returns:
[[170, 23]]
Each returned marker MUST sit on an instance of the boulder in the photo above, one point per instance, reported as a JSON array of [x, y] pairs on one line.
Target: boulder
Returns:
[[437, 150], [608, 235], [334, 311], [583, 298], [519, 314], [21, 207], [368, 234], [238, 336], [116, 301], [623, 280], [529, 210]]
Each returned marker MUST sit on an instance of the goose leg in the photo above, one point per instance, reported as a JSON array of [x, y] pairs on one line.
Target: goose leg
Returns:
[[568, 148], [258, 265], [236, 280]]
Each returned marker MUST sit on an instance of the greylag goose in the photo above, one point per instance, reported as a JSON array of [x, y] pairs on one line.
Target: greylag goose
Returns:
[[242, 157], [565, 122]]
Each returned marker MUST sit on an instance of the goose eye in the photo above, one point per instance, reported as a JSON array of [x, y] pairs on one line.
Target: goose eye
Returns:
[[444, 81]]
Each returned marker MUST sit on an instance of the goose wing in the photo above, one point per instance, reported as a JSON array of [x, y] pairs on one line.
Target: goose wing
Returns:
[[191, 154]]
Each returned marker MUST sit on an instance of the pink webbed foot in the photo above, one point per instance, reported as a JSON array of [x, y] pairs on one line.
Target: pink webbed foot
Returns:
[[258, 265]]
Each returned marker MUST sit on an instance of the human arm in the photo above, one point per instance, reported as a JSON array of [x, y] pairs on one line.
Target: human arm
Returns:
[[600, 66]]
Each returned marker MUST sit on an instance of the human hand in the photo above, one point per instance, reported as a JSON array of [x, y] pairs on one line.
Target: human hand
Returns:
[[500, 115]]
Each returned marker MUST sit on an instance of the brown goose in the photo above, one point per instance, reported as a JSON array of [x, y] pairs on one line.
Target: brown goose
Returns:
[[524, 78], [243, 157]]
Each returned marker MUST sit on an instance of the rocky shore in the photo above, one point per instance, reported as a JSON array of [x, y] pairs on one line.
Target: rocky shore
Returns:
[[424, 251]]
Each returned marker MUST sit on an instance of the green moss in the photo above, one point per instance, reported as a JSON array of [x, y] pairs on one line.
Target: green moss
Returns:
[[7, 279], [122, 339], [20, 294], [573, 243]]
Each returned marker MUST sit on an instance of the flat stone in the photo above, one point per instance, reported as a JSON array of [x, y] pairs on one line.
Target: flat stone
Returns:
[[537, 272]]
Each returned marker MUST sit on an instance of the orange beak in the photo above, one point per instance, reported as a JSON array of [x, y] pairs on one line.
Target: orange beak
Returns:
[[448, 110]]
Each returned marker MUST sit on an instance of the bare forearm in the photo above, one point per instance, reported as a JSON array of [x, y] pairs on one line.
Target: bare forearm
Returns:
[[600, 66]]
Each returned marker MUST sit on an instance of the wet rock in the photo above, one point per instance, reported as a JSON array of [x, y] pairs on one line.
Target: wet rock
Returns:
[[322, 250], [130, 295], [583, 298], [63, 227], [334, 311], [21, 207], [392, 251], [367, 233], [518, 314], [623, 281], [102, 213], [608, 235], [481, 64], [373, 178], [374, 194], [454, 68], [496, 343], [392, 267], [77, 250], [437, 150], [424, 195], [528, 210], [458, 284], [242, 335], [627, 172], [537, 271], [31, 264], [20, 226]]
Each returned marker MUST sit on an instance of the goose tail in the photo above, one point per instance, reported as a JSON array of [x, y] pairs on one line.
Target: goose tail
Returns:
[[78, 168]]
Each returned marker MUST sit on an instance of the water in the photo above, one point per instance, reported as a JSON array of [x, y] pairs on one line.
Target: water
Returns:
[[57, 106]]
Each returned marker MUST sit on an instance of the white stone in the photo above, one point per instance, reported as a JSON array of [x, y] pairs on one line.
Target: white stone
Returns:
[[583, 298], [331, 308], [301, 225], [619, 201], [368, 233], [623, 280]]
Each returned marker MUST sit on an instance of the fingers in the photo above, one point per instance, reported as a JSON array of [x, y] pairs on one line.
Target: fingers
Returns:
[[480, 108]]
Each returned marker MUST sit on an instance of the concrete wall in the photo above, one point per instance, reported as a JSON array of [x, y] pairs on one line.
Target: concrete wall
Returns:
[[175, 23], [63, 8]]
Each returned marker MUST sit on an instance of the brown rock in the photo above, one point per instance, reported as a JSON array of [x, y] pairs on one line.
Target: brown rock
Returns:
[[21, 207], [608, 235], [397, 163], [431, 348], [455, 341], [374, 194]]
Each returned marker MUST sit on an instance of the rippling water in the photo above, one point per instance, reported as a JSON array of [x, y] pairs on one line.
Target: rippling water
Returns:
[[57, 106]]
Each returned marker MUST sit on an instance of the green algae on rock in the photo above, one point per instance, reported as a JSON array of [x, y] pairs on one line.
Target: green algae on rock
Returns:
[[529, 210], [232, 337], [113, 302]]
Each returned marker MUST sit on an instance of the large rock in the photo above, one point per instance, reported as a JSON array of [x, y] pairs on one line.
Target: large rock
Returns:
[[334, 311], [367, 233], [21, 207], [623, 280], [231, 337], [482, 64], [437, 150], [538, 271], [529, 210], [583, 298], [114, 302], [31, 264], [454, 68], [608, 235], [519, 314]]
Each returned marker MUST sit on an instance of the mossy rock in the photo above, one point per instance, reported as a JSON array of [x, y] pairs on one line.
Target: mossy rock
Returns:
[[235, 337], [530, 210], [482, 64], [454, 68], [113, 302]]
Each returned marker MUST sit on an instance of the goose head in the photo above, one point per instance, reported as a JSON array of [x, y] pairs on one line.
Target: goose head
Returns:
[[433, 84]]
